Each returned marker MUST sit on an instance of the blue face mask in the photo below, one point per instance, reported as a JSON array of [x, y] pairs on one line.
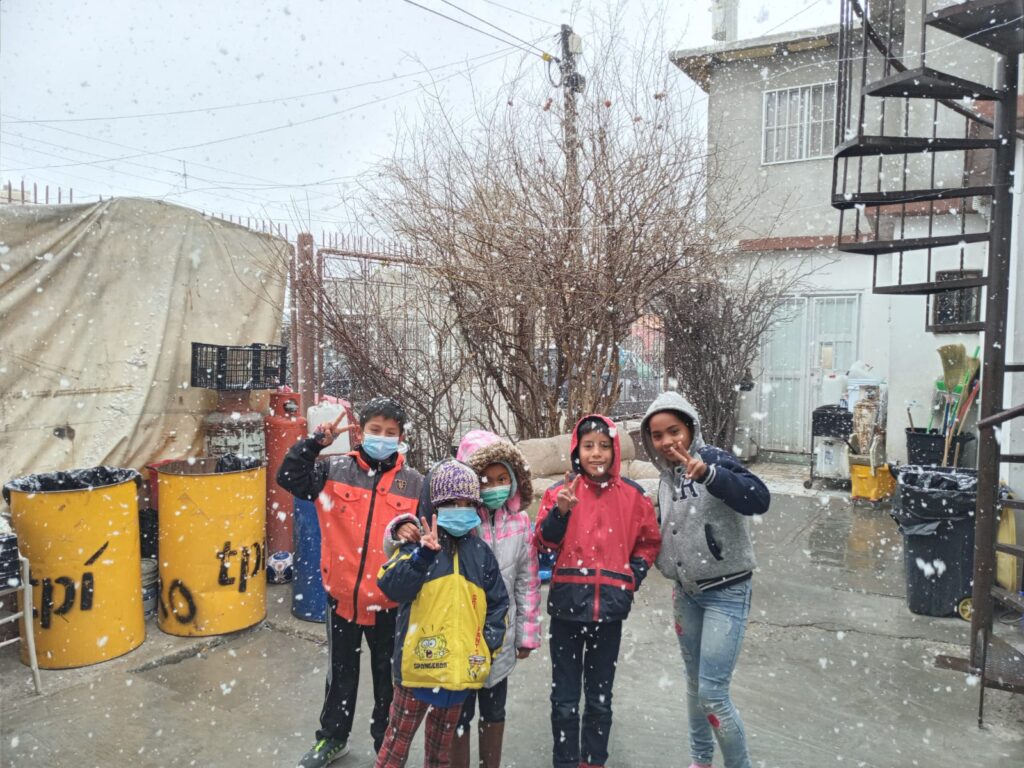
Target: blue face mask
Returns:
[[380, 447], [458, 521]]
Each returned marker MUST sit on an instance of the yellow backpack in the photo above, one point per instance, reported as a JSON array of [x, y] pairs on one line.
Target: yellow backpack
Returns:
[[444, 645]]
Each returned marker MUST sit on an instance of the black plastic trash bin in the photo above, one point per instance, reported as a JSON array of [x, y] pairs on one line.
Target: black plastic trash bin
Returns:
[[927, 447], [934, 508]]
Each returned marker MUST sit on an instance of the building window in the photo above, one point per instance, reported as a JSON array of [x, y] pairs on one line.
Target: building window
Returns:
[[958, 310], [799, 123]]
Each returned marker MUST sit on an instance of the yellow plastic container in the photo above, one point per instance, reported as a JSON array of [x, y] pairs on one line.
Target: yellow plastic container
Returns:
[[875, 487], [83, 546], [213, 557], [1007, 566]]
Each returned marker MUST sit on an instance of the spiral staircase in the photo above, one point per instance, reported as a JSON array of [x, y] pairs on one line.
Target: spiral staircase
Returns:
[[923, 169]]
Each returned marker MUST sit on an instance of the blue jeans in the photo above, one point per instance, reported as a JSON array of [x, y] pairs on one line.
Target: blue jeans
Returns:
[[710, 627]]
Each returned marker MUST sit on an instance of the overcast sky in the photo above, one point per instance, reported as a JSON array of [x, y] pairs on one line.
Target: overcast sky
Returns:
[[166, 88]]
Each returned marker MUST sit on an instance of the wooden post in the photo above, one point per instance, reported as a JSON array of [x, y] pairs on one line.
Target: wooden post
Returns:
[[306, 346], [320, 322], [293, 317]]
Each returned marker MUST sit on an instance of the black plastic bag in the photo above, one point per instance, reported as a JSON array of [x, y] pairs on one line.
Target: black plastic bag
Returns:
[[231, 462], [925, 493], [71, 480]]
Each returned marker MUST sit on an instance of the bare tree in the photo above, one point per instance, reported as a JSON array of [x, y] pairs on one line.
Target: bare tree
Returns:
[[545, 270], [715, 327], [386, 331]]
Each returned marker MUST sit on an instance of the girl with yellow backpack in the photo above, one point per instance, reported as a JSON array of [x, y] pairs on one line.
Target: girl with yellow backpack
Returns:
[[450, 622]]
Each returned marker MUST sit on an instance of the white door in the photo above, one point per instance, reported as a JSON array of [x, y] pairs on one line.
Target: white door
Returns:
[[813, 337], [833, 347], [783, 381]]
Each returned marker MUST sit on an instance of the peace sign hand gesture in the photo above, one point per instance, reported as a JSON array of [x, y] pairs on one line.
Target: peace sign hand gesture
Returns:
[[566, 498], [328, 432], [695, 466], [429, 538]]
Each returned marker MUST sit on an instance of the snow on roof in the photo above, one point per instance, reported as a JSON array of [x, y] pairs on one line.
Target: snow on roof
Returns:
[[698, 62]]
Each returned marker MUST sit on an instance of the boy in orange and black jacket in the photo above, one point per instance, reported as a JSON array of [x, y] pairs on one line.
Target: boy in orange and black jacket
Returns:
[[356, 494]]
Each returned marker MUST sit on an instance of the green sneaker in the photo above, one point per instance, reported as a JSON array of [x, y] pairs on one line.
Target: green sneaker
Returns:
[[323, 753]]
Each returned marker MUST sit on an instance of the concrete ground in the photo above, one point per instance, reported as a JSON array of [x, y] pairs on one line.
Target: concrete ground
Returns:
[[835, 671]]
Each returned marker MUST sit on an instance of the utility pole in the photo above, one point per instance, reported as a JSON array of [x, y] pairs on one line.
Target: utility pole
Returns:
[[572, 83]]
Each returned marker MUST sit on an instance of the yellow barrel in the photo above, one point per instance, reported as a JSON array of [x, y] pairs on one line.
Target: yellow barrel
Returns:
[[213, 557], [82, 541]]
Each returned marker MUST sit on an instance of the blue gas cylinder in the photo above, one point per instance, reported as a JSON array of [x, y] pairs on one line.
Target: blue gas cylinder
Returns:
[[309, 601]]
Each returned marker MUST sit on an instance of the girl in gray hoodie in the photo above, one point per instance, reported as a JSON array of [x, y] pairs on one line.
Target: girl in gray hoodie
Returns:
[[706, 498]]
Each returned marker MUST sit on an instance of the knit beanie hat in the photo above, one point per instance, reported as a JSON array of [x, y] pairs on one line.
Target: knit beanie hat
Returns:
[[451, 480]]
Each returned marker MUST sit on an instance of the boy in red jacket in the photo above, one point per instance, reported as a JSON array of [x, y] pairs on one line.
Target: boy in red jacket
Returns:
[[606, 537]]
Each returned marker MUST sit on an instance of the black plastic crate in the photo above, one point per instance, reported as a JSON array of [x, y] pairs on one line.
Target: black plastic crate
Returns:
[[258, 366], [831, 421]]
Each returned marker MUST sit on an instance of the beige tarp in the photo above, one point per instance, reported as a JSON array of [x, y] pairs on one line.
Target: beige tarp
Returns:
[[98, 307]]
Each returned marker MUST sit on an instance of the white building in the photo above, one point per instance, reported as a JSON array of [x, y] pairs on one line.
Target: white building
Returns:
[[771, 115]]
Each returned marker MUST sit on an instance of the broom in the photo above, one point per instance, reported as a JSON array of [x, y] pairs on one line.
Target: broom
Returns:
[[954, 364], [963, 402], [963, 418]]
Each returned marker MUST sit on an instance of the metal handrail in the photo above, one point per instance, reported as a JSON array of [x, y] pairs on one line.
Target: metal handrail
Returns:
[[1003, 416]]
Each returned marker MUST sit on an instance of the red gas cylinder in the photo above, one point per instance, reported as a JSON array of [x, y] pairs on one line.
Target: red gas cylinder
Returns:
[[284, 427]]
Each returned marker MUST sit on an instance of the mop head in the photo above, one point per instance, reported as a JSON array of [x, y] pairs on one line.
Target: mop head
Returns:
[[954, 364]]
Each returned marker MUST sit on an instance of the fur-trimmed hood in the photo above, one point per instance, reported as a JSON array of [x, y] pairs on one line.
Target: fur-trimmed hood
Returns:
[[480, 448]]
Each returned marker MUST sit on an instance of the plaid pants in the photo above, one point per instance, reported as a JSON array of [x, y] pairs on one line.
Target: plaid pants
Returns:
[[406, 715]]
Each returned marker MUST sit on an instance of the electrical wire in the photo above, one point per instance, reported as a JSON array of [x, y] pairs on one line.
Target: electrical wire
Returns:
[[255, 211], [352, 87], [786, 21], [176, 173], [47, 153], [543, 55], [63, 175], [272, 129], [151, 180], [520, 13], [494, 26], [257, 201], [268, 183], [254, 199]]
